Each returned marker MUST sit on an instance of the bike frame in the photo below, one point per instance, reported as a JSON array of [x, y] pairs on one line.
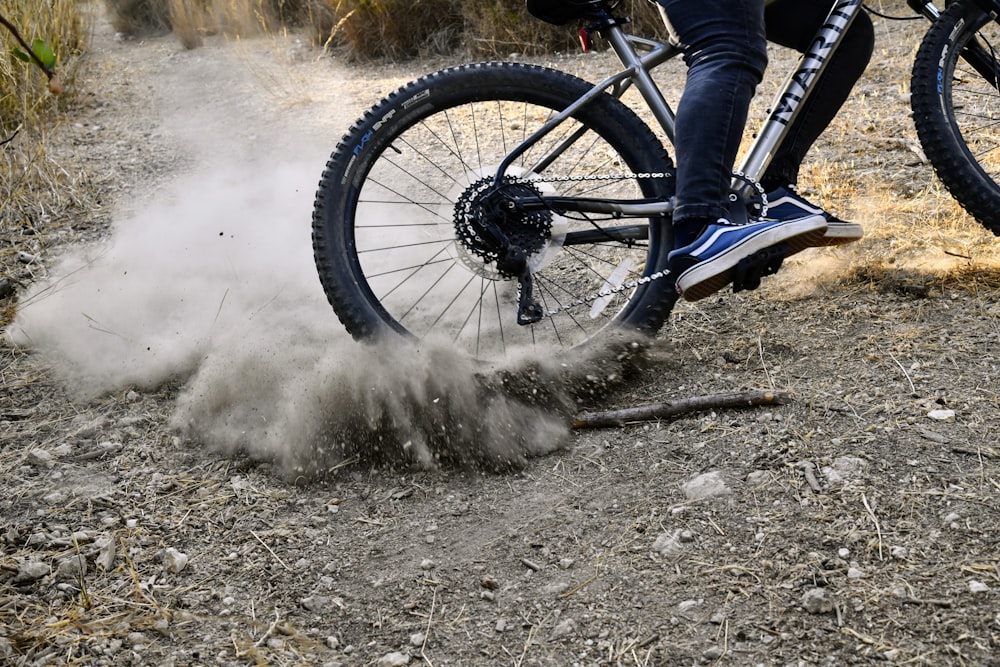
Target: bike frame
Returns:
[[639, 56]]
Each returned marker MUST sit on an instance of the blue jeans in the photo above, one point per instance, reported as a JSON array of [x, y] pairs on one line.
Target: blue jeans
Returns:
[[725, 50]]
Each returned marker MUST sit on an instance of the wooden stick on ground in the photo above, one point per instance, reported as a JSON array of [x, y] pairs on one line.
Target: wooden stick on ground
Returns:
[[668, 409]]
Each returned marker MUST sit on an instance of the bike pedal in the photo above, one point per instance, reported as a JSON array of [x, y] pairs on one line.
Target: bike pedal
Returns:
[[766, 262]]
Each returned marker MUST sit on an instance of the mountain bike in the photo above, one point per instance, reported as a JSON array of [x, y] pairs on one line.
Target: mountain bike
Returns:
[[501, 205]]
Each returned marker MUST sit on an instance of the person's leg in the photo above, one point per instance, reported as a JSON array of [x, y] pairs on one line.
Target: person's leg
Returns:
[[793, 23], [726, 54], [725, 50]]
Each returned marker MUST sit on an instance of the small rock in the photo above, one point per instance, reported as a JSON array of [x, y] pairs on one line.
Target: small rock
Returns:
[[30, 570], [6, 648], [417, 639], [427, 564], [332, 642], [316, 603], [899, 553], [106, 553], [73, 567], [173, 560], [978, 587], [566, 563], [855, 573], [394, 659], [707, 485], [39, 457], [942, 415], [688, 605], [564, 628], [817, 601]]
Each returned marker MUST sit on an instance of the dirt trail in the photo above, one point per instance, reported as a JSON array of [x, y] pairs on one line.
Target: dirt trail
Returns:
[[181, 370]]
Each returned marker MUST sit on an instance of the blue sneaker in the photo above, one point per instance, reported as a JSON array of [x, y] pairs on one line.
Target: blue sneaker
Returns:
[[725, 253], [787, 204]]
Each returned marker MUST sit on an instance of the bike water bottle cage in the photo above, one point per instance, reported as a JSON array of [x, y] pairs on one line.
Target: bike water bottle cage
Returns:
[[560, 12]]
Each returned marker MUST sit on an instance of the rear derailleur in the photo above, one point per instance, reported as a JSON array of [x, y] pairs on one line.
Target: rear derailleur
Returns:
[[490, 225]]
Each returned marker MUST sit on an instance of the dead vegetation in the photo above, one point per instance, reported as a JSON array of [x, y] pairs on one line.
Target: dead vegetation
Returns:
[[367, 29]]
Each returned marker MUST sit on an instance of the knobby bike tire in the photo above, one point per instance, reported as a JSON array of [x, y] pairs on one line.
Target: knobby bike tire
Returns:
[[392, 260], [955, 103]]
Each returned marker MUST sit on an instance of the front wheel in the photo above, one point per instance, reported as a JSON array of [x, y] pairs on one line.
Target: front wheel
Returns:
[[396, 236], [956, 108]]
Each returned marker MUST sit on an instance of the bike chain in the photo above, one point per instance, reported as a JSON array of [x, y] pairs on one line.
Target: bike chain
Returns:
[[643, 280]]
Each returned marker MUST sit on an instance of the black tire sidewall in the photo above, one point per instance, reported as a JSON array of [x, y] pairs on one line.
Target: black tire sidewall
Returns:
[[933, 116]]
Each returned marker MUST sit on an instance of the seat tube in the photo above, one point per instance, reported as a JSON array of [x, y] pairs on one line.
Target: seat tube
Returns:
[[797, 87], [641, 77]]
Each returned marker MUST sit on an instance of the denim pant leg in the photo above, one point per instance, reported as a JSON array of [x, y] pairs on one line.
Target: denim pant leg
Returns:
[[726, 53]]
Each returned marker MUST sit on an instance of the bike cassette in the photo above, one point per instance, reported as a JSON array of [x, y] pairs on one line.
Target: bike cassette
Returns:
[[488, 225], [766, 262]]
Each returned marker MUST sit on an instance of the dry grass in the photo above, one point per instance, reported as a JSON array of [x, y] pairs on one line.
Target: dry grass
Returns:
[[33, 185], [190, 20], [369, 29]]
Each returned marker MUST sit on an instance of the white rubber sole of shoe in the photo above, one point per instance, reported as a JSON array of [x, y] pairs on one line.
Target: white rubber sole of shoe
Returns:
[[841, 233]]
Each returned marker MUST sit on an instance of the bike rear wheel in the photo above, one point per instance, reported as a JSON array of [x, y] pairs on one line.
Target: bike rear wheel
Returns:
[[395, 255], [955, 106]]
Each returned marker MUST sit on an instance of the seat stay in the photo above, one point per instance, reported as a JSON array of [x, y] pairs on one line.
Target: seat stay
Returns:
[[635, 72]]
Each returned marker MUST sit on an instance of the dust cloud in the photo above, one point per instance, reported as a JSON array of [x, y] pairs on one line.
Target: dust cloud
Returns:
[[210, 286]]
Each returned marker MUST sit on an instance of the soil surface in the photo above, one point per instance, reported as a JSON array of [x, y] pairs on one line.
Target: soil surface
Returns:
[[198, 466]]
